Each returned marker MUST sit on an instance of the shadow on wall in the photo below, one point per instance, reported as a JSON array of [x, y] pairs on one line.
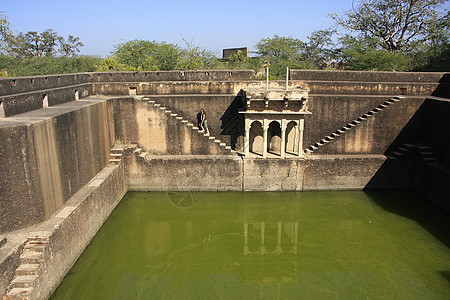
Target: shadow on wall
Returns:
[[419, 157], [233, 123]]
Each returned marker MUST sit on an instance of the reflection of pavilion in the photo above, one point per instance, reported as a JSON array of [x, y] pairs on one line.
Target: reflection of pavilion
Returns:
[[289, 230], [274, 122]]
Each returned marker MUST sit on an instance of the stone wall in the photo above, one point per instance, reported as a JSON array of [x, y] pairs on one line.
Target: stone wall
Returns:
[[48, 155], [22, 94]]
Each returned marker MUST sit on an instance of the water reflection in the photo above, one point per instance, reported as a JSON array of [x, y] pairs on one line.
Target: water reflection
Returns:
[[256, 245], [284, 231]]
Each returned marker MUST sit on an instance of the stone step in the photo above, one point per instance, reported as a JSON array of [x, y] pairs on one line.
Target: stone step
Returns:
[[116, 150], [28, 249], [39, 236], [19, 293], [167, 111], [162, 108], [24, 281], [143, 154], [151, 101], [427, 153], [40, 247], [222, 144], [212, 137], [173, 115], [228, 147], [424, 148], [382, 106], [217, 141], [156, 104], [31, 257], [334, 135], [409, 146], [27, 269], [376, 109], [180, 118], [114, 161], [115, 154]]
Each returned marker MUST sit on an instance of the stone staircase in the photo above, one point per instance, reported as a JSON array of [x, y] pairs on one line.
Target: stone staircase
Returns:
[[115, 156], [26, 281], [184, 122], [425, 153], [351, 125]]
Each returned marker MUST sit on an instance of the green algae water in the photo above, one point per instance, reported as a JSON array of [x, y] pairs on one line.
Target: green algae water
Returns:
[[268, 245]]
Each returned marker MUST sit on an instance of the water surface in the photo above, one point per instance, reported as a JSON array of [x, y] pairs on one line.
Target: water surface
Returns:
[[268, 245]]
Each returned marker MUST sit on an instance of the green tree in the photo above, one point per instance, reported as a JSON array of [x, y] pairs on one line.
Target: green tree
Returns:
[[194, 58], [364, 54], [5, 34], [319, 48], [397, 25], [113, 63], [13, 66], [146, 55], [69, 47], [241, 60], [281, 52], [278, 47], [34, 44]]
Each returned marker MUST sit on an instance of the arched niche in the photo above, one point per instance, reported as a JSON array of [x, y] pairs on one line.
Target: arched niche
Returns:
[[256, 138], [274, 138], [292, 137]]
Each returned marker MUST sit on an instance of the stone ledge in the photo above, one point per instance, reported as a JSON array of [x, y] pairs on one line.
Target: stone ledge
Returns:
[[76, 218]]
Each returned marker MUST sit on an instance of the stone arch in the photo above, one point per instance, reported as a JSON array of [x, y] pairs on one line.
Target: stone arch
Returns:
[[274, 137], [256, 140], [292, 136]]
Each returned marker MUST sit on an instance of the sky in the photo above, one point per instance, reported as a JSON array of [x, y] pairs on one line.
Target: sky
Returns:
[[211, 25]]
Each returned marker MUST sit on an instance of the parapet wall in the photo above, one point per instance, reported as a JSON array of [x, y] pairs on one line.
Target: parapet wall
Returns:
[[365, 76], [22, 94]]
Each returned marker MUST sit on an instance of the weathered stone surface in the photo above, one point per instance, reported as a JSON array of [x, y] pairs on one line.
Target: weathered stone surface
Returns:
[[184, 173], [47, 155]]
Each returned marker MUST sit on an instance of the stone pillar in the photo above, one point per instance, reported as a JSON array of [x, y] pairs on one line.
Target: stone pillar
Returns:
[[247, 137], [283, 138], [301, 126], [265, 129]]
